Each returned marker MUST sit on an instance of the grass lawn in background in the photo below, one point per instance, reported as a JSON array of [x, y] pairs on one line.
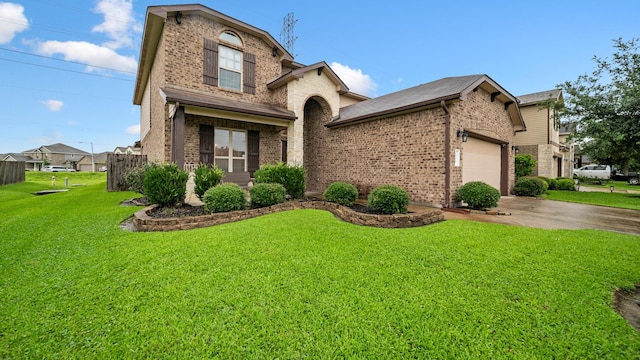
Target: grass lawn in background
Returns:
[[618, 185], [300, 284], [615, 199]]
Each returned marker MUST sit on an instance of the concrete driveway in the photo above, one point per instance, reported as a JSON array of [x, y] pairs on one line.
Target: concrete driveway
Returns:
[[549, 214]]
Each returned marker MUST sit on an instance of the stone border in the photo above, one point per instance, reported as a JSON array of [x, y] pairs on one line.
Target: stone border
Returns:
[[143, 222]]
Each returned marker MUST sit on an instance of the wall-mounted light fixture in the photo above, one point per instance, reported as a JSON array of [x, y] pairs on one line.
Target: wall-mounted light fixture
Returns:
[[515, 148], [274, 51], [179, 17], [462, 134]]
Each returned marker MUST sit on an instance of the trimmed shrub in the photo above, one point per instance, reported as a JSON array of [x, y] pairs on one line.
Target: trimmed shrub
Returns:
[[389, 199], [135, 177], [206, 177], [479, 195], [565, 184], [524, 165], [341, 193], [266, 194], [529, 186], [291, 177], [224, 197], [553, 184], [165, 185]]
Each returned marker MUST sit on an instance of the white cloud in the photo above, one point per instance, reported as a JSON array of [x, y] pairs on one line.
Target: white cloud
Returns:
[[13, 21], [89, 53], [119, 22], [354, 78], [133, 130], [53, 105]]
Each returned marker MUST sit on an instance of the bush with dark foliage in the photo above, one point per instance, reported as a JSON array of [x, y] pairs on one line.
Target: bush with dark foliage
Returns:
[[529, 186], [266, 194], [479, 195], [224, 197], [389, 199], [291, 177], [165, 185], [341, 193], [206, 176]]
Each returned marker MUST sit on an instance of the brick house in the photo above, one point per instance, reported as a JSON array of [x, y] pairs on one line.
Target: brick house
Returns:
[[545, 140], [213, 89]]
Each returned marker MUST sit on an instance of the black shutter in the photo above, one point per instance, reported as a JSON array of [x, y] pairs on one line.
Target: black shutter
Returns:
[[210, 62], [207, 144], [249, 73], [253, 148]]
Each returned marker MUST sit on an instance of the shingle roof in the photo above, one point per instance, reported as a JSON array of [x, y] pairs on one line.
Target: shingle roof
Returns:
[[228, 104], [60, 148], [419, 96], [531, 99]]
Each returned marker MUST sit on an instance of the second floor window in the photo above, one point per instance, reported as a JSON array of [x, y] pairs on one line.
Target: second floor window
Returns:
[[230, 62]]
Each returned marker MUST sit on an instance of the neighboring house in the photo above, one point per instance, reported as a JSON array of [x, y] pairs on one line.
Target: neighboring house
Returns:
[[543, 140], [30, 164], [128, 150], [99, 159], [213, 89], [57, 154]]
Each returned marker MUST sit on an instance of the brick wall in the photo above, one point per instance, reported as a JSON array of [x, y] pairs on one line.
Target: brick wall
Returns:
[[406, 150]]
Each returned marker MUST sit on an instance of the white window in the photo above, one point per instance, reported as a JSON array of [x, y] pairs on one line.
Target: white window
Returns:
[[231, 150]]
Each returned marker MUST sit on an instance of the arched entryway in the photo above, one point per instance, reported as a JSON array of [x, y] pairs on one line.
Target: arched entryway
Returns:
[[317, 113]]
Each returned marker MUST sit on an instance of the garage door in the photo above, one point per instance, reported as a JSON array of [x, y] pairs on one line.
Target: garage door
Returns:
[[481, 161]]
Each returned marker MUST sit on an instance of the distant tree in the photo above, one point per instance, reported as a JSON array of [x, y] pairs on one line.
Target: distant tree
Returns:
[[605, 106]]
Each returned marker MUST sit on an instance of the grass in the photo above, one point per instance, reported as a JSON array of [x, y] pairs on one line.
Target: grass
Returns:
[[618, 185], [615, 199], [300, 284]]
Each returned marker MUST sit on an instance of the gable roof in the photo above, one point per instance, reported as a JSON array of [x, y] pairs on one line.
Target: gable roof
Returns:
[[59, 148], [153, 27], [420, 96], [535, 98], [299, 73], [17, 157]]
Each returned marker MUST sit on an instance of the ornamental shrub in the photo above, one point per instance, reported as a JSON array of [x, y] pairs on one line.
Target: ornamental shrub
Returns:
[[341, 193], [206, 176], [524, 165], [529, 186], [553, 184], [291, 177], [565, 184], [165, 185], [267, 194], [389, 199], [134, 178], [479, 195], [224, 197]]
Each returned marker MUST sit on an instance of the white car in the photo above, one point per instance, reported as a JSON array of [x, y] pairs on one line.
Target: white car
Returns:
[[593, 171], [56, 168]]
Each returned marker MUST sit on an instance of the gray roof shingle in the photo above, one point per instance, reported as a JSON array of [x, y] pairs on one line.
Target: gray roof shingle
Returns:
[[531, 99]]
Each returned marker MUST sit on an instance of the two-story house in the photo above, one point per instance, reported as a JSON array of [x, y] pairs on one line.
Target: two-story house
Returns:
[[57, 154], [213, 89], [543, 139]]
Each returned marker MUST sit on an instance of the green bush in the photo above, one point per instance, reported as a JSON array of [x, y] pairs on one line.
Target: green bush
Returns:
[[206, 177], [266, 194], [389, 199], [529, 186], [291, 177], [565, 184], [553, 184], [224, 197], [134, 178], [341, 193], [165, 185], [479, 195], [524, 165]]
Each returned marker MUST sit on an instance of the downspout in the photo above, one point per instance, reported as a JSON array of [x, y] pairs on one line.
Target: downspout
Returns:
[[447, 154]]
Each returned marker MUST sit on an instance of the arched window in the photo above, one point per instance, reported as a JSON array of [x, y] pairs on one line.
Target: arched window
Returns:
[[230, 37]]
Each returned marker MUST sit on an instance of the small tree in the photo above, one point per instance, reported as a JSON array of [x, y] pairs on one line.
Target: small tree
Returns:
[[524, 165]]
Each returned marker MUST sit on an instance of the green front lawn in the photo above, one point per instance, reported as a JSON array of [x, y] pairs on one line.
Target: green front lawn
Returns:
[[300, 284], [615, 199]]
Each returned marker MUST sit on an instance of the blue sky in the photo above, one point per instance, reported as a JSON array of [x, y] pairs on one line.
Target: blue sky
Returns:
[[67, 68]]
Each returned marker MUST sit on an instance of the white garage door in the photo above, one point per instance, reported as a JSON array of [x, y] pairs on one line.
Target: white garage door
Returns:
[[481, 161]]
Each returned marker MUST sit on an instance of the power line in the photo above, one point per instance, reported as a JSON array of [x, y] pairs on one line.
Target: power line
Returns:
[[67, 70], [67, 61]]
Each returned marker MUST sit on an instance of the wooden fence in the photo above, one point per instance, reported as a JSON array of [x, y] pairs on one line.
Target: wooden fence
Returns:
[[118, 165], [11, 172]]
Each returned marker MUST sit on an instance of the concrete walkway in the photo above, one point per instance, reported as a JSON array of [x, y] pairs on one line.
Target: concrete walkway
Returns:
[[550, 214]]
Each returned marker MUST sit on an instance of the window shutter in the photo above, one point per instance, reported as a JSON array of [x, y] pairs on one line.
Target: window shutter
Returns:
[[249, 73], [210, 62], [253, 149], [207, 144]]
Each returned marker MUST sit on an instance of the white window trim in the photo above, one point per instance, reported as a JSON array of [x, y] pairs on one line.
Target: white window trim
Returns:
[[220, 66], [230, 157]]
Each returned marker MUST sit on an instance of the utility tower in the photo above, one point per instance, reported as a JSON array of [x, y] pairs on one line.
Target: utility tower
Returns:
[[286, 35]]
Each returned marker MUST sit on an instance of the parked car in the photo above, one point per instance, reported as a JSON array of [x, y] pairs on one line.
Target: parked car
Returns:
[[102, 169], [634, 180], [593, 171], [56, 168], [621, 176]]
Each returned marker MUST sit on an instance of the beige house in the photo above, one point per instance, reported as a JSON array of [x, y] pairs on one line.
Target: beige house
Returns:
[[213, 89], [57, 154], [543, 139], [127, 150]]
